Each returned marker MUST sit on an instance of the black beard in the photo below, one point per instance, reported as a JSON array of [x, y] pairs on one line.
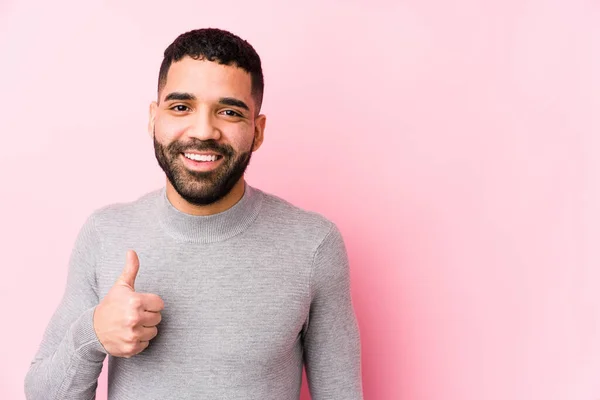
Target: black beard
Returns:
[[202, 187]]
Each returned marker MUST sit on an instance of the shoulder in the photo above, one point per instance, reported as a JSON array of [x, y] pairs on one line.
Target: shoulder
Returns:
[[123, 214], [289, 219]]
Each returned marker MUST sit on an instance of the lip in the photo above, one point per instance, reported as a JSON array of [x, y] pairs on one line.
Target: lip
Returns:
[[201, 166]]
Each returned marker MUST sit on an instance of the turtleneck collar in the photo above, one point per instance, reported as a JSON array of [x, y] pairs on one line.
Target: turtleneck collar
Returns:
[[209, 228]]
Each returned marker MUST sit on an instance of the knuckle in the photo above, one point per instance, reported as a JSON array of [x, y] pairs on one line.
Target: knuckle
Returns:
[[135, 302], [131, 338], [130, 349], [131, 320]]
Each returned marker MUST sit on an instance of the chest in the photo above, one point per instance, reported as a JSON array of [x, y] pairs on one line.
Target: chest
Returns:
[[220, 304]]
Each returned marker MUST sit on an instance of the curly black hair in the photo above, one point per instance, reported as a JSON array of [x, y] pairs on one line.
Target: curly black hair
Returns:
[[219, 46]]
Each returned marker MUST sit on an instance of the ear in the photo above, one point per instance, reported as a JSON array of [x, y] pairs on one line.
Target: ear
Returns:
[[152, 118], [259, 131]]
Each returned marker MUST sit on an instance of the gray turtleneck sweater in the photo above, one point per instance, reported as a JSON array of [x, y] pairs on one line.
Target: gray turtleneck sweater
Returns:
[[250, 294]]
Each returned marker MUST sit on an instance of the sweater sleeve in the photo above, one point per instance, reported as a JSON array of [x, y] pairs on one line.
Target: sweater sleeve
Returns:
[[69, 359], [331, 336]]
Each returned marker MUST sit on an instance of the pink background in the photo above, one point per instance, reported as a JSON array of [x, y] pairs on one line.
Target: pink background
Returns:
[[455, 143]]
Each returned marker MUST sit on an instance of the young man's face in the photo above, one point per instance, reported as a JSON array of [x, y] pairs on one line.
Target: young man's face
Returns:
[[204, 128]]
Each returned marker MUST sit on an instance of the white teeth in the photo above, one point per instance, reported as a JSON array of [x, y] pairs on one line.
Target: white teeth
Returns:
[[200, 157]]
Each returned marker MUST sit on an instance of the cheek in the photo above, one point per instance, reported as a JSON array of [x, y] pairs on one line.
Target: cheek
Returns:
[[166, 130], [238, 136], [243, 144]]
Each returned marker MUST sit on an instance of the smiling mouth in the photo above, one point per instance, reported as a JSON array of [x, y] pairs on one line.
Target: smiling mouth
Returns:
[[202, 157]]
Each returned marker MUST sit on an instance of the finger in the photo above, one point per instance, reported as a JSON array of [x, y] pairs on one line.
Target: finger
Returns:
[[152, 302], [130, 271], [134, 349], [148, 333], [150, 318], [141, 346]]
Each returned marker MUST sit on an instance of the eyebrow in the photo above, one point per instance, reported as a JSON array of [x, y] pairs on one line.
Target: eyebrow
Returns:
[[180, 96], [227, 101], [230, 101]]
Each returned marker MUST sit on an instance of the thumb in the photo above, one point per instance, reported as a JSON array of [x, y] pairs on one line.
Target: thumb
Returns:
[[132, 266]]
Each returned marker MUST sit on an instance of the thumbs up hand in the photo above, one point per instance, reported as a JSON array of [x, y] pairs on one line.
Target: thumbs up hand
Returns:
[[125, 321]]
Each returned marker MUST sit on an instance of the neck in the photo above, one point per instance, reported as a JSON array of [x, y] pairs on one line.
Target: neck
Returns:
[[221, 205]]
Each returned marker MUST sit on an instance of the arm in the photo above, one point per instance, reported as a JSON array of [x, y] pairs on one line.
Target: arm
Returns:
[[331, 337], [69, 359]]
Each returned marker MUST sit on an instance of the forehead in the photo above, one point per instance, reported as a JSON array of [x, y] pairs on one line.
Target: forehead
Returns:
[[208, 80]]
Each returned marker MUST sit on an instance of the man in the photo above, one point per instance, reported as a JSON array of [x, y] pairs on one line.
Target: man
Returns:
[[208, 288]]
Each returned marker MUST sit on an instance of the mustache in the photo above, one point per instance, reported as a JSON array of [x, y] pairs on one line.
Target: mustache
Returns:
[[200, 145]]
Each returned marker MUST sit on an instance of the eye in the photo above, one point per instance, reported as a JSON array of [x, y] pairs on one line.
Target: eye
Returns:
[[180, 108], [231, 113]]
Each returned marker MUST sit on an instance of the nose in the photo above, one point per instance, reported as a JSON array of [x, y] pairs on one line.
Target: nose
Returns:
[[202, 126]]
